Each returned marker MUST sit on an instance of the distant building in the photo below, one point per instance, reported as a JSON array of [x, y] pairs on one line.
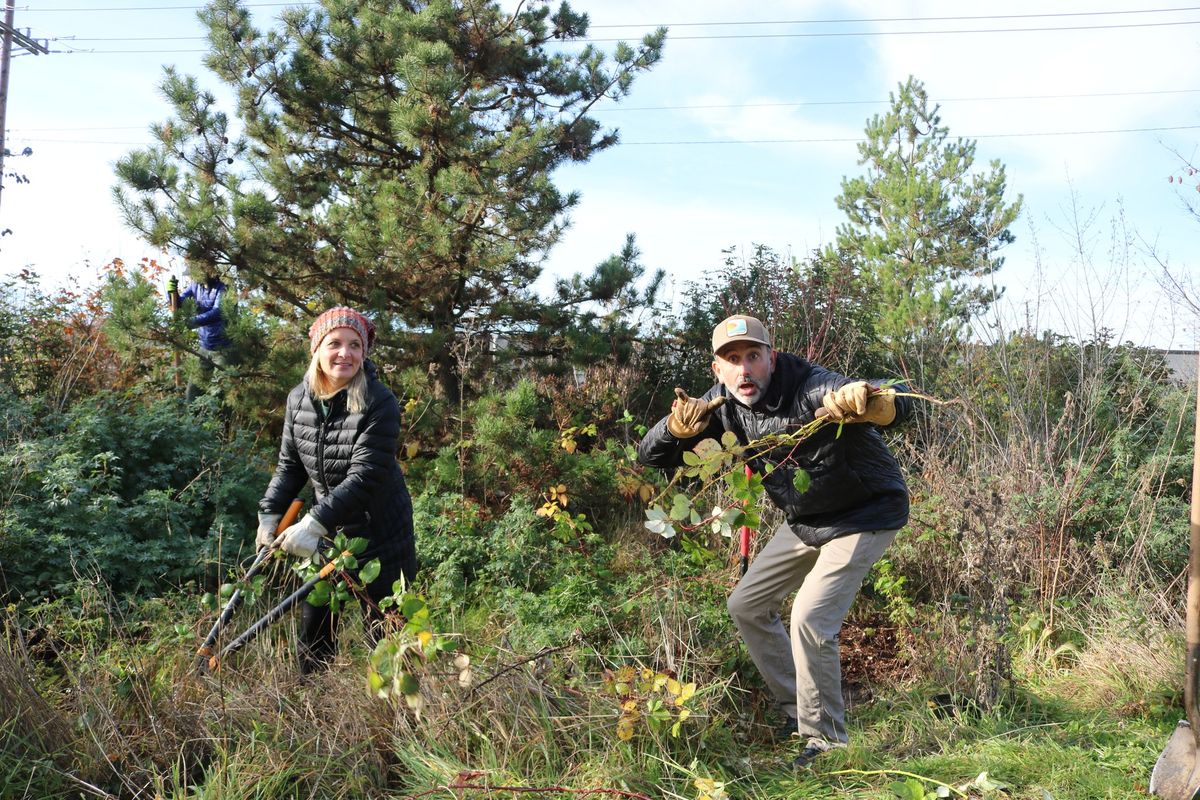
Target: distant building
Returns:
[[1183, 364]]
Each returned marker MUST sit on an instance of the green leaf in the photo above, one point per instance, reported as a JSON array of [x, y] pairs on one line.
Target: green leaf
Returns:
[[707, 449], [320, 594], [691, 459], [371, 571], [908, 789], [357, 544], [681, 506], [729, 440], [801, 480], [412, 606]]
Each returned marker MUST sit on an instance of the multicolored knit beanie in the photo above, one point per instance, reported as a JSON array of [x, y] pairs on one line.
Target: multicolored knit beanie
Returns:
[[341, 317]]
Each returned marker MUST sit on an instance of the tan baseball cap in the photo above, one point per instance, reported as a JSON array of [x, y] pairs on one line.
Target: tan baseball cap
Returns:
[[739, 328]]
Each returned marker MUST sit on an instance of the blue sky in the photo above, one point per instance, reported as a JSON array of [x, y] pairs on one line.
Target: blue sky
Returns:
[[741, 135]]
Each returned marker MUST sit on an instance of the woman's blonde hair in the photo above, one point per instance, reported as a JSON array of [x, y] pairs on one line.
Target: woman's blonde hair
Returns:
[[323, 388]]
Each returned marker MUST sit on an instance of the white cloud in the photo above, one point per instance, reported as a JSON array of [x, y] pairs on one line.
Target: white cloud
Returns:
[[1080, 62]]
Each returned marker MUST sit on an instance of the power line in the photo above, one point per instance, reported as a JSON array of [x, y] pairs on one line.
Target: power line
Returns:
[[1040, 15], [729, 23], [832, 140], [1019, 134], [128, 38], [902, 19], [730, 36], [119, 52], [84, 128], [35, 140], [28, 10], [790, 104], [996, 98], [845, 34]]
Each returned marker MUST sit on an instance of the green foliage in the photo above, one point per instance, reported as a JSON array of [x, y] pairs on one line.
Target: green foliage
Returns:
[[512, 449], [818, 308], [338, 565], [143, 494], [394, 157], [891, 587], [399, 658], [148, 341], [655, 700], [923, 223], [465, 553]]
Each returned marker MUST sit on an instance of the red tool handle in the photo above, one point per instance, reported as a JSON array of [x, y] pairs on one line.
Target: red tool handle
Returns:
[[289, 517]]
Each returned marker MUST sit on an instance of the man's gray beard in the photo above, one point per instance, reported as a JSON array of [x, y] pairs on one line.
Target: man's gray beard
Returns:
[[748, 403]]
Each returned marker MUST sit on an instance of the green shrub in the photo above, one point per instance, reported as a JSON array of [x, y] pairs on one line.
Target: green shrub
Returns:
[[142, 494]]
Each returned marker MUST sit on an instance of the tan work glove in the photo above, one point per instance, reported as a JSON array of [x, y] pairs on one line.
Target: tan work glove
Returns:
[[861, 402], [689, 415]]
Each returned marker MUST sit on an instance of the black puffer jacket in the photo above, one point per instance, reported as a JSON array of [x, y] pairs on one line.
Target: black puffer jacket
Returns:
[[856, 483], [351, 460]]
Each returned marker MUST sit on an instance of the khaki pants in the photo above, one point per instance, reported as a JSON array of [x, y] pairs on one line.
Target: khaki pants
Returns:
[[801, 666]]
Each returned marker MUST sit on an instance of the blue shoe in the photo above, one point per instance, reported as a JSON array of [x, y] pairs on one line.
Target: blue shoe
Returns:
[[805, 759]]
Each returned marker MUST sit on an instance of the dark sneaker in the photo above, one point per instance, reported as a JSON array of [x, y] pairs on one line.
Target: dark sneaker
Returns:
[[785, 730], [806, 757]]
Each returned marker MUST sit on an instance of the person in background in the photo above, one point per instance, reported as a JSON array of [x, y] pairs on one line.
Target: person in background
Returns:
[[216, 348], [834, 532], [341, 430]]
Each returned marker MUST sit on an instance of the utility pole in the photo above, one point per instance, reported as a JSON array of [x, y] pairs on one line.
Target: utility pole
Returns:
[[10, 34]]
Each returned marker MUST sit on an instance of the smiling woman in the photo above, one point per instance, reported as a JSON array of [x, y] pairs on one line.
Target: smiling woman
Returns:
[[339, 340], [341, 430]]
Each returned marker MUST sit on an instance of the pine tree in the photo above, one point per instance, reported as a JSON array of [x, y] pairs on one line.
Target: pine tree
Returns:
[[395, 156], [923, 223]]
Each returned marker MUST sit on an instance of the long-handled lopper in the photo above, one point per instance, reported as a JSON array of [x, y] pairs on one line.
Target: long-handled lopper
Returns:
[[274, 614], [235, 600]]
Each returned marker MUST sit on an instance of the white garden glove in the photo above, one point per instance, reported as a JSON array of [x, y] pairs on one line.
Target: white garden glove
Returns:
[[861, 402], [267, 523], [303, 538]]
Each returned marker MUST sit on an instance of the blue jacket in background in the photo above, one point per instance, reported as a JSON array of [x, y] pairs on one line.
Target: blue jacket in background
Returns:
[[208, 321]]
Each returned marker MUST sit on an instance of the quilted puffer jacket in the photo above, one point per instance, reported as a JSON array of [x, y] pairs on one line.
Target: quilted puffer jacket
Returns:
[[208, 321], [351, 461], [856, 484]]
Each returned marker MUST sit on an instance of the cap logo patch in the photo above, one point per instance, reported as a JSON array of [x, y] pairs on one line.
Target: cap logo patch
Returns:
[[735, 327]]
